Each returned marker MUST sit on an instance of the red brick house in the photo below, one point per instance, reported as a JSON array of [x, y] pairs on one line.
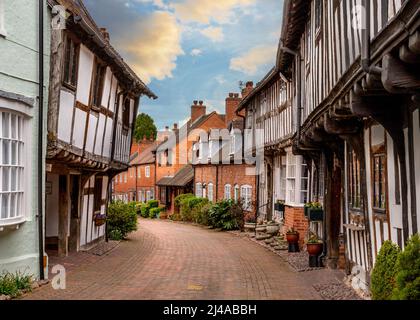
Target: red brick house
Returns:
[[220, 171], [174, 173]]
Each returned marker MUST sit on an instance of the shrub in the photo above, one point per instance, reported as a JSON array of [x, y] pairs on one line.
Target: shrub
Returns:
[[144, 211], [115, 235], [384, 272], [187, 204], [181, 197], [407, 286], [226, 215], [121, 217], [200, 211], [153, 203], [154, 213], [12, 284]]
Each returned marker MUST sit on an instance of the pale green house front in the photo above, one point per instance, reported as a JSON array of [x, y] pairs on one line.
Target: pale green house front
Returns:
[[19, 131]]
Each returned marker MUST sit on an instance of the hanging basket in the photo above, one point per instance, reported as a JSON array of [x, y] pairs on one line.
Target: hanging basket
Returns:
[[99, 219]]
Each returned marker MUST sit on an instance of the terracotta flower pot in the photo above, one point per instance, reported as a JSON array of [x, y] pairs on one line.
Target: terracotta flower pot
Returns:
[[314, 249], [292, 237]]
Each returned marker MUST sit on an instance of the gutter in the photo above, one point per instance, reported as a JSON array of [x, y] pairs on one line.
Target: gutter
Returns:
[[40, 136]]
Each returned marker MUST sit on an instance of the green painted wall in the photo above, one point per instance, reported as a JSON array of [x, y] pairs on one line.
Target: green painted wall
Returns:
[[19, 74]]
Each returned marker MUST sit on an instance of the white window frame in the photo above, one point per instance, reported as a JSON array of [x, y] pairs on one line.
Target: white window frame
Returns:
[[3, 32], [294, 180], [210, 192], [148, 195], [246, 196], [147, 171], [236, 193], [139, 172], [228, 192], [26, 114], [125, 177], [199, 190]]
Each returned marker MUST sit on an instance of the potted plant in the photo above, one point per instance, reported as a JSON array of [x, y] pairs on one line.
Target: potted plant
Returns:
[[314, 211], [292, 236], [250, 222], [99, 219], [279, 205], [272, 228], [314, 245]]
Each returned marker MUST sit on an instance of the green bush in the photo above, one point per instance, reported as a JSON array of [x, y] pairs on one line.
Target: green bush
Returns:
[[12, 284], [187, 203], [407, 286], [154, 213], [121, 217], [200, 211], [144, 210], [181, 197], [153, 204], [384, 272], [226, 215], [115, 235]]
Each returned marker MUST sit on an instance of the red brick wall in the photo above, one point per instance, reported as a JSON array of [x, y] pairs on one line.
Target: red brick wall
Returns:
[[295, 217], [228, 174]]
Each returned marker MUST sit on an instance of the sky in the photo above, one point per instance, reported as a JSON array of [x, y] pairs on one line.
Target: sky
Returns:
[[187, 50]]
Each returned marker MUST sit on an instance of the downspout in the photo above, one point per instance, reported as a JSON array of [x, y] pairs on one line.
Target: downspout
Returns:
[[365, 55], [40, 137]]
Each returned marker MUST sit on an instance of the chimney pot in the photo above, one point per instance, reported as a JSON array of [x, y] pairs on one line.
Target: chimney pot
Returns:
[[200, 102], [250, 84], [175, 126], [231, 95], [236, 95], [195, 102]]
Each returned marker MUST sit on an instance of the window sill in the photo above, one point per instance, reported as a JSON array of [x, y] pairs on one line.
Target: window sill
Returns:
[[11, 224]]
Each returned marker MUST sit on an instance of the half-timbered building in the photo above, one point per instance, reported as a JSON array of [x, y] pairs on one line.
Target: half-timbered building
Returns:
[[352, 72], [94, 98]]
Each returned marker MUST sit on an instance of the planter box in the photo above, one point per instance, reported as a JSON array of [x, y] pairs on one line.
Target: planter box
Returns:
[[316, 214], [279, 207]]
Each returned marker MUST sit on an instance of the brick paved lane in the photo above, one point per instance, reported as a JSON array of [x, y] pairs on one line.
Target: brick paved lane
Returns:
[[166, 260]]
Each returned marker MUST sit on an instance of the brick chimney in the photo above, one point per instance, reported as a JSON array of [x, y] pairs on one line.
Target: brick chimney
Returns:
[[197, 110], [232, 102], [175, 129], [248, 88]]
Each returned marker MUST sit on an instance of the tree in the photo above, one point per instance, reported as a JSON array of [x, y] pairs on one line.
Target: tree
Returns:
[[145, 127]]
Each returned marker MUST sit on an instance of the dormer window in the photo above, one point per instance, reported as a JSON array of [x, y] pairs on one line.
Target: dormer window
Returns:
[[70, 62]]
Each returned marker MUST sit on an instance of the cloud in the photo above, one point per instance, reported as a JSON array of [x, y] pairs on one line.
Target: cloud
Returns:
[[215, 34], [204, 11], [153, 45], [220, 79], [249, 62], [196, 52]]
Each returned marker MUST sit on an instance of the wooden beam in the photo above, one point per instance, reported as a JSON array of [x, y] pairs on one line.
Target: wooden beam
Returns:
[[408, 56], [63, 216], [414, 42], [338, 127], [398, 77]]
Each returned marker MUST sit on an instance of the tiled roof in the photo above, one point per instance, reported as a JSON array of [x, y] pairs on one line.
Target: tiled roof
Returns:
[[181, 179]]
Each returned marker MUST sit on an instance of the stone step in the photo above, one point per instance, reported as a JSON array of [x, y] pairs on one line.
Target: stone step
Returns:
[[262, 236]]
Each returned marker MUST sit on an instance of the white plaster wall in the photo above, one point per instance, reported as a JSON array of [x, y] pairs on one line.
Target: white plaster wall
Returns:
[[83, 221], [65, 116], [113, 94], [91, 133], [108, 138], [369, 195], [100, 134], [86, 59], [131, 110], [79, 128], [107, 88]]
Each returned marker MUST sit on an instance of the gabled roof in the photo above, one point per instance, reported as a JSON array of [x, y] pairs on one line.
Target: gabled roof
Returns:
[[181, 179], [80, 17], [145, 157]]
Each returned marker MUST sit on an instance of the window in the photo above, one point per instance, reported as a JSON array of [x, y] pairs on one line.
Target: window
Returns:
[[139, 172], [355, 199], [236, 193], [125, 177], [12, 170], [148, 196], [126, 112], [131, 172], [98, 82], [210, 192], [70, 63], [97, 197], [121, 177], [379, 182], [147, 172], [2, 23], [228, 192], [246, 196], [283, 168], [297, 183], [199, 190]]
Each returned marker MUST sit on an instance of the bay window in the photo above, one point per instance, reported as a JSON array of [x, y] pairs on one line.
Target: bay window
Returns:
[[12, 168]]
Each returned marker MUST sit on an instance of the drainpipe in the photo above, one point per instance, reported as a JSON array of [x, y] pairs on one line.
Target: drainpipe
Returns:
[[40, 136], [365, 56]]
